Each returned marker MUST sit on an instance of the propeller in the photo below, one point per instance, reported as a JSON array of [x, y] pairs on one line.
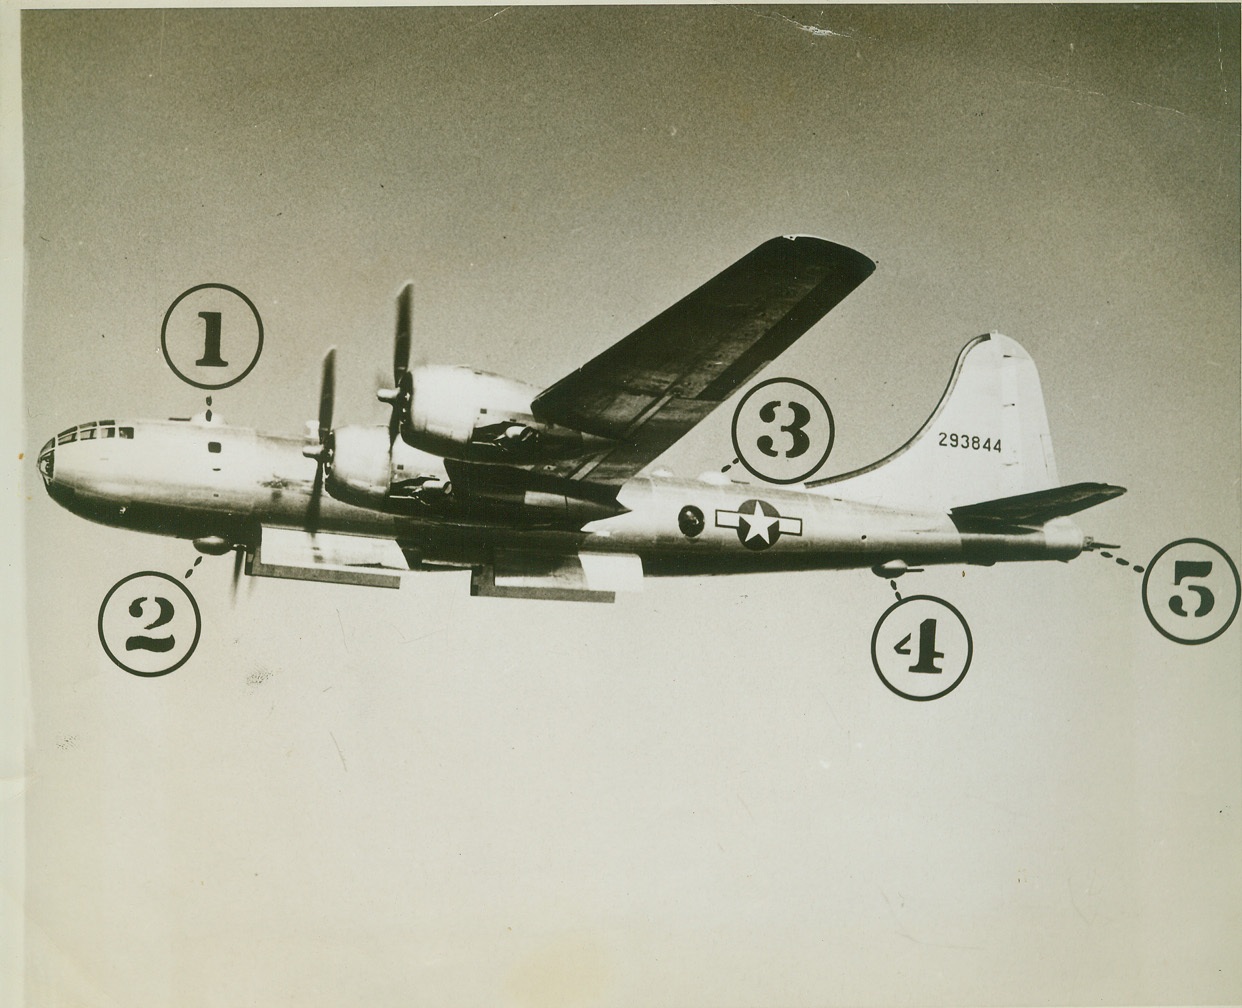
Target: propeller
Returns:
[[239, 559], [321, 452], [398, 397], [401, 347]]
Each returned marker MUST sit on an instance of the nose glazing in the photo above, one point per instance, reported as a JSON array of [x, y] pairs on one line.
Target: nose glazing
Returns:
[[47, 461]]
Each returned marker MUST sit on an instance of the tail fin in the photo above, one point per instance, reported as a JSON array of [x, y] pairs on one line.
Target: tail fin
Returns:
[[987, 439]]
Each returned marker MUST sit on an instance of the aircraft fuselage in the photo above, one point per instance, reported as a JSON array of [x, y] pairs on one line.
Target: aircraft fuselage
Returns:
[[212, 482]]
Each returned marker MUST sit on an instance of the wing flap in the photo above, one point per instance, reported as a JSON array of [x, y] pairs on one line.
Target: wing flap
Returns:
[[327, 557], [580, 577]]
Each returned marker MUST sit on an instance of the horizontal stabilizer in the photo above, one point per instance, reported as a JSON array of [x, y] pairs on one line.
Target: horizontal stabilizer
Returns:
[[580, 577], [1033, 509]]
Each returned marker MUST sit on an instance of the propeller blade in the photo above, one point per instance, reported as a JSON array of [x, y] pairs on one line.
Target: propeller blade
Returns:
[[401, 346], [394, 423], [316, 495], [239, 558], [398, 397], [322, 452], [403, 395], [327, 395]]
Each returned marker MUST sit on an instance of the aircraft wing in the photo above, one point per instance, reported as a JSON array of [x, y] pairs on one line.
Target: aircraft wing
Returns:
[[651, 388]]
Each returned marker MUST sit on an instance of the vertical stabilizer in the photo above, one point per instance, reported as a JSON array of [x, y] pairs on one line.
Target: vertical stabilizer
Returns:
[[987, 439]]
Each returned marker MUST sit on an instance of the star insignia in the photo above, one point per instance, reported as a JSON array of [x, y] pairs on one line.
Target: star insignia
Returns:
[[758, 524]]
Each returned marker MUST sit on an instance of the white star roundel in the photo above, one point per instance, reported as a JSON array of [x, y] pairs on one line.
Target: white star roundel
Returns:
[[758, 524]]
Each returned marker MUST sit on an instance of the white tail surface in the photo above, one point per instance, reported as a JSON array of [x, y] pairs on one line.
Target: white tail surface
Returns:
[[988, 438]]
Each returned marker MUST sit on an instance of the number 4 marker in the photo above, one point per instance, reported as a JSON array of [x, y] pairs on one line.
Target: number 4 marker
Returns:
[[927, 648]]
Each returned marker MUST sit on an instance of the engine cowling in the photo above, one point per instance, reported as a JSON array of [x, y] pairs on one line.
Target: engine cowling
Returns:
[[361, 469], [367, 473], [457, 412]]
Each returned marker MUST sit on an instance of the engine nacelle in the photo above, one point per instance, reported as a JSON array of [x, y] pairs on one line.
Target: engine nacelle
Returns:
[[456, 412], [365, 472], [361, 468]]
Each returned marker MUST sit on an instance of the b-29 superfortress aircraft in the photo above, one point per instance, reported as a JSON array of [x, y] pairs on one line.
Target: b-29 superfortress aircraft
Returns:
[[543, 493]]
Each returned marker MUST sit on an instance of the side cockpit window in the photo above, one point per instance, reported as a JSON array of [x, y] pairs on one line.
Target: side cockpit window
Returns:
[[125, 432], [66, 437]]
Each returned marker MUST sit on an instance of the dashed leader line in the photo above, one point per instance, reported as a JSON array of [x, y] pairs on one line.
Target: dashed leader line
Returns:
[[1121, 561]]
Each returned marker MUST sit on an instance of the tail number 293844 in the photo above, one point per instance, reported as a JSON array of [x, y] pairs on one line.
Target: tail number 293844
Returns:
[[973, 442]]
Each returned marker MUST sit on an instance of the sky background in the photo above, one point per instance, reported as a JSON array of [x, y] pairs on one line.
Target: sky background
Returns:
[[701, 795]]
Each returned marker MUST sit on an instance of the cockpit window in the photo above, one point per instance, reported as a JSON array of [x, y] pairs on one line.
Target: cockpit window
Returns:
[[90, 431], [213, 447]]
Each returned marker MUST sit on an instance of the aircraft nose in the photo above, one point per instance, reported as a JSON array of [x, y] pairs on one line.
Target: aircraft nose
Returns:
[[47, 462], [58, 489], [80, 474]]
